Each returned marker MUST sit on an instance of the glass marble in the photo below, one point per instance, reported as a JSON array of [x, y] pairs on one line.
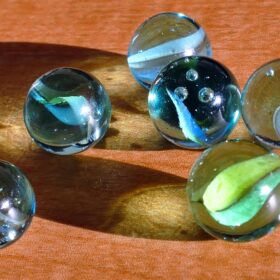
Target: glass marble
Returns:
[[67, 111], [194, 102], [234, 190], [162, 39], [17, 203], [261, 104]]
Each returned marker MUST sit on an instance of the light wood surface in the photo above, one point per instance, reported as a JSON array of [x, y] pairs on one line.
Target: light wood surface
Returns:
[[119, 210]]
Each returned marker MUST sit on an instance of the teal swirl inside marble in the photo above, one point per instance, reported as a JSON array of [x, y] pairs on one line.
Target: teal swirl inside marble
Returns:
[[66, 109], [188, 124], [238, 192], [190, 128]]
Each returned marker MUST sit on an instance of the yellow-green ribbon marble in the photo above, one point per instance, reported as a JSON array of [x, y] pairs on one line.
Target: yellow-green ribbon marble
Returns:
[[235, 181]]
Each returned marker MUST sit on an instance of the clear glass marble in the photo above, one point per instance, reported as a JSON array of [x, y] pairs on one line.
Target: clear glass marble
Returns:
[[162, 39], [261, 104], [17, 203], [234, 190], [67, 111], [194, 102]]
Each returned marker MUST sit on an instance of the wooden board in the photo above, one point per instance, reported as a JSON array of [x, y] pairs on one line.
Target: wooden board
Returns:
[[119, 210]]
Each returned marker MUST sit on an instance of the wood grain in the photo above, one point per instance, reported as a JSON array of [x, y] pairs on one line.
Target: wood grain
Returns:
[[119, 210]]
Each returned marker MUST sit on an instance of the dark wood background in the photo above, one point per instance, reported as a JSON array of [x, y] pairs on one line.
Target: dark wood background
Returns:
[[119, 210]]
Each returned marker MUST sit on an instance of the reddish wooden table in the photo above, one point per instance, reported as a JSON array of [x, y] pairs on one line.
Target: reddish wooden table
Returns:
[[119, 211]]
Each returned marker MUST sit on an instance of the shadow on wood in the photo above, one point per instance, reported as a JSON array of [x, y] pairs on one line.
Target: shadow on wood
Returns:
[[110, 196], [131, 127], [90, 191]]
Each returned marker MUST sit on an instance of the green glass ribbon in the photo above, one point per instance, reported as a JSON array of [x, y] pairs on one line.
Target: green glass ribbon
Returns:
[[235, 181]]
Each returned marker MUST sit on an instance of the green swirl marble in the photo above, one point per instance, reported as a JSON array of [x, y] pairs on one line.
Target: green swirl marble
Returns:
[[234, 182]]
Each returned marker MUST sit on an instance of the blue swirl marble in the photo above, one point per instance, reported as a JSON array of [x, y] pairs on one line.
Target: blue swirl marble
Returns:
[[162, 39], [67, 111], [194, 102]]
